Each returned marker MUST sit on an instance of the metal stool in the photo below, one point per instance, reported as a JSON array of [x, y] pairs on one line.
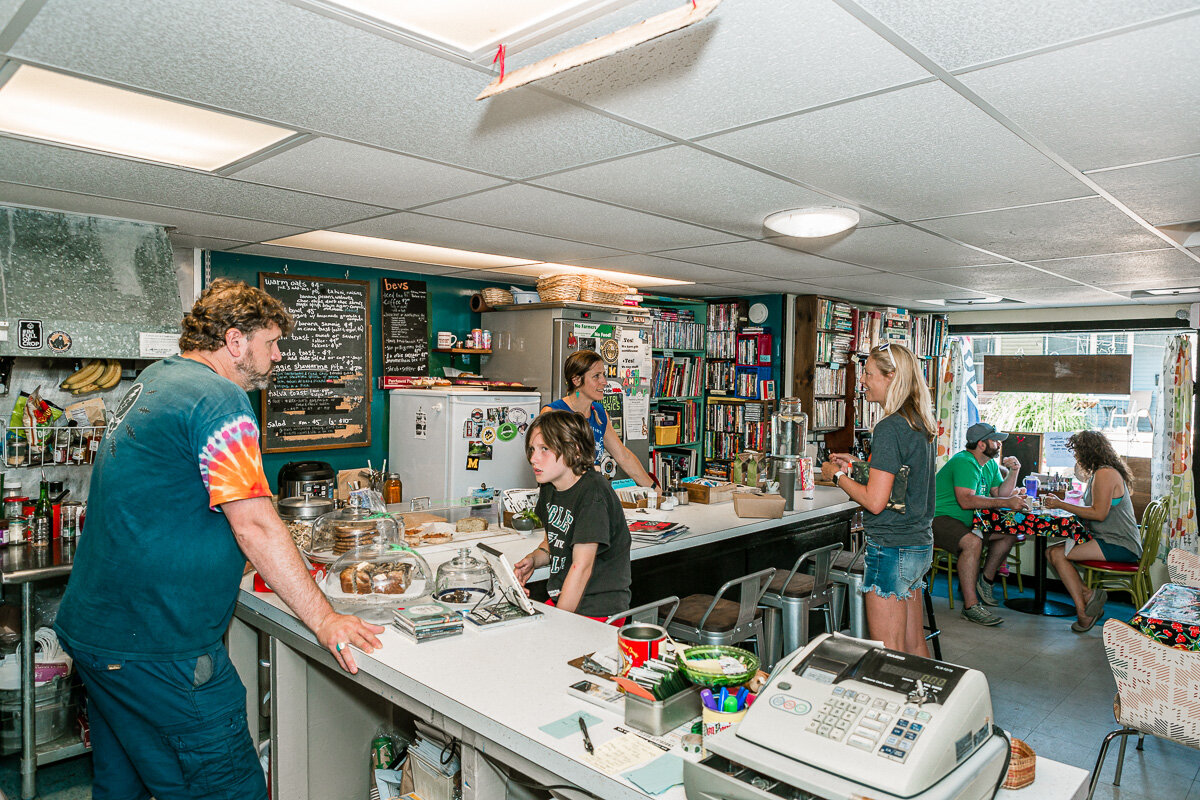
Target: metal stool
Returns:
[[711, 619], [641, 613], [789, 599], [846, 575]]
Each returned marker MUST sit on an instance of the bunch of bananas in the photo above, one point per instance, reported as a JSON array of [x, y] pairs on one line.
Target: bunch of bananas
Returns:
[[96, 375]]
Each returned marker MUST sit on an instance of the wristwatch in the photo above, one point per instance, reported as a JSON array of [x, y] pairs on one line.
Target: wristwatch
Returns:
[[838, 476]]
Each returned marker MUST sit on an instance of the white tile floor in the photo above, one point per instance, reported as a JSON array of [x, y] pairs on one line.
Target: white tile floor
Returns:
[[1050, 687]]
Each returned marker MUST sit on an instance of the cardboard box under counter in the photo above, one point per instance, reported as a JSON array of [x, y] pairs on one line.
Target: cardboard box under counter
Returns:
[[758, 506]]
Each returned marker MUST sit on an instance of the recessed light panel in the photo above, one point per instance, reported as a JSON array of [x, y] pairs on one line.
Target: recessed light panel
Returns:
[[375, 247], [626, 278], [41, 104]]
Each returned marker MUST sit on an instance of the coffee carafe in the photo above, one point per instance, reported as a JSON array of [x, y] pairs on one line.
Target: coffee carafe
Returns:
[[789, 433]]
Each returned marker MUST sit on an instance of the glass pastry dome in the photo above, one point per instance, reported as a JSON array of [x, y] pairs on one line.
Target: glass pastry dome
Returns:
[[338, 532], [463, 580], [372, 581]]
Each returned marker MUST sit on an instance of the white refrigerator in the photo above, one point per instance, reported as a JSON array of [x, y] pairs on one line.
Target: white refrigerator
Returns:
[[445, 442]]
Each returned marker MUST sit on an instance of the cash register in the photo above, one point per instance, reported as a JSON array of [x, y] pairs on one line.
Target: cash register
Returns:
[[846, 718]]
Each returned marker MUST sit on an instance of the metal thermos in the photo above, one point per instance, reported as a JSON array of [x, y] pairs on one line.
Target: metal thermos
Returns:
[[789, 433]]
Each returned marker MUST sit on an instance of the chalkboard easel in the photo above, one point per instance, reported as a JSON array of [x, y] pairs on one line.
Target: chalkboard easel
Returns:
[[321, 395]]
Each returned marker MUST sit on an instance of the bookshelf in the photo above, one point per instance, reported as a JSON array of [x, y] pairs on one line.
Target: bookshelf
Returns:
[[739, 386], [831, 337], [677, 341], [731, 425], [752, 369]]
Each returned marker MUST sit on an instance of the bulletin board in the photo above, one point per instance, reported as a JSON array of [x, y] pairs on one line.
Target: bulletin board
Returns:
[[320, 397]]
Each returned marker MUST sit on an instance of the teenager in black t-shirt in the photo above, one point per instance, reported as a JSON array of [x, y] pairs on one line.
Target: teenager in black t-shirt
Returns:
[[587, 541]]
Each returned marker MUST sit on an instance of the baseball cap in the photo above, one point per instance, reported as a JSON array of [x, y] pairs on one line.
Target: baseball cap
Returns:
[[982, 430]]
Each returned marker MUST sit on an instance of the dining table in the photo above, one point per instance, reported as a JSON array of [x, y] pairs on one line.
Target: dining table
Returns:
[[1043, 525]]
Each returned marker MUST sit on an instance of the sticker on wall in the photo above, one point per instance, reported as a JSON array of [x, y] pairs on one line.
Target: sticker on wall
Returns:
[[472, 462], [517, 415], [59, 341], [420, 424], [29, 334], [488, 436], [493, 416], [477, 414], [479, 450], [587, 343], [610, 371], [609, 350], [507, 432], [522, 427]]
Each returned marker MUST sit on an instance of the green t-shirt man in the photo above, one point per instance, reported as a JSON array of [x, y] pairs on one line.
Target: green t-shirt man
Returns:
[[964, 470]]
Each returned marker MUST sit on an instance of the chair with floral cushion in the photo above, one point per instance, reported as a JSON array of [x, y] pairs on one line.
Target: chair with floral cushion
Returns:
[[1183, 566], [1158, 692]]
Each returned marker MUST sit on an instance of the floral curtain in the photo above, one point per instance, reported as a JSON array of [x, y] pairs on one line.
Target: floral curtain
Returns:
[[950, 408], [1171, 468]]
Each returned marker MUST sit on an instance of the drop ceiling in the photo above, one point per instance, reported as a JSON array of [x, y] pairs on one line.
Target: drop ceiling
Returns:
[[1019, 149]]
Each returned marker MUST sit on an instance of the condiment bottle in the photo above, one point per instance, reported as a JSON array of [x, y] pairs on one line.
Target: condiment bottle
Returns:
[[393, 490], [43, 514]]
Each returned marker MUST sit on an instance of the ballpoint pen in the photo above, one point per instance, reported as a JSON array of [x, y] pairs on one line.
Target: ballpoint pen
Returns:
[[587, 740]]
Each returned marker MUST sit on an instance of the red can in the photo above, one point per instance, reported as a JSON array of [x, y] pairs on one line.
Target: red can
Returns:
[[638, 642]]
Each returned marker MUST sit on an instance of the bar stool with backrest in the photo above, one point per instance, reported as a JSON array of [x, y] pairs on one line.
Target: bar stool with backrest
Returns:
[[846, 575], [1131, 578], [789, 599], [712, 619]]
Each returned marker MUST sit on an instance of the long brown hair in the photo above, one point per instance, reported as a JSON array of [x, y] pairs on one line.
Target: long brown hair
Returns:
[[1093, 450], [567, 435], [907, 394]]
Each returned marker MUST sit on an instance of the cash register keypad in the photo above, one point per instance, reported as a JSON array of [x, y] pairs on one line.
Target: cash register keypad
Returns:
[[866, 723]]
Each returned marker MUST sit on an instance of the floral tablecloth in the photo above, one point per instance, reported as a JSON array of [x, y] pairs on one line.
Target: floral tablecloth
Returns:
[[1039, 523], [1172, 616]]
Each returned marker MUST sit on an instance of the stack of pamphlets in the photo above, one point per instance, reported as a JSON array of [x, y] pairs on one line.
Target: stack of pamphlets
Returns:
[[427, 621], [654, 530]]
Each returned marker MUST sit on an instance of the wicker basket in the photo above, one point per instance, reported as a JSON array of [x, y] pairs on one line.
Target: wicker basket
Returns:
[[599, 290], [558, 288], [495, 296], [1021, 767]]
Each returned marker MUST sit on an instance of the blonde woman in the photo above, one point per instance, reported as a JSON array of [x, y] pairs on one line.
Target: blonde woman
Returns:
[[897, 497]]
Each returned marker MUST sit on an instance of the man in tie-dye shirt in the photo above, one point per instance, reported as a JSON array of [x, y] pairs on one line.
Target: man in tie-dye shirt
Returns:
[[178, 501]]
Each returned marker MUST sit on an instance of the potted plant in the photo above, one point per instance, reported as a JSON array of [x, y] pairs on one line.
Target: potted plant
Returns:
[[526, 520]]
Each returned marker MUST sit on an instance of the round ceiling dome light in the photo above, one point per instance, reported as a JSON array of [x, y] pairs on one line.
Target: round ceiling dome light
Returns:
[[810, 223]]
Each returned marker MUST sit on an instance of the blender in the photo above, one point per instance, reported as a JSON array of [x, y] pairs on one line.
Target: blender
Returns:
[[789, 432]]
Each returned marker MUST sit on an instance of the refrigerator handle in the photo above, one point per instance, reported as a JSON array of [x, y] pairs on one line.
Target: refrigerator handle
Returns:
[[436, 408]]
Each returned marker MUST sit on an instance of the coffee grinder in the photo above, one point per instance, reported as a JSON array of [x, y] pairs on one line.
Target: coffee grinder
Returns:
[[789, 433]]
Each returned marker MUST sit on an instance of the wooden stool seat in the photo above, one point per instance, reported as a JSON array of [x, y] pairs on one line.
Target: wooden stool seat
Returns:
[[799, 586], [723, 618]]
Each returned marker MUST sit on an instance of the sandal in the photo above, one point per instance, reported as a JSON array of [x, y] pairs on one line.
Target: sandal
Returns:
[[1095, 606], [1075, 626]]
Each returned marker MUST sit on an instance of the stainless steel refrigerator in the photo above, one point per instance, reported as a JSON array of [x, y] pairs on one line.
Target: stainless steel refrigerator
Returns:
[[531, 343]]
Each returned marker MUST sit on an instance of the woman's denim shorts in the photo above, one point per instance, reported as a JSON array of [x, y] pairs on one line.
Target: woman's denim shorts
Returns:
[[896, 571]]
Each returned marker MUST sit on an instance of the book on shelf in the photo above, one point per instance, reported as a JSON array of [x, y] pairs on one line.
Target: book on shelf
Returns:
[[724, 316], [720, 470], [667, 463], [829, 381], [686, 415], [833, 347], [676, 333], [676, 376], [829, 414], [720, 376]]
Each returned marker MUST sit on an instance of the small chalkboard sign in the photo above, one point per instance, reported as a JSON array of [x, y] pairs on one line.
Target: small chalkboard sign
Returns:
[[321, 395], [405, 307], [1027, 447]]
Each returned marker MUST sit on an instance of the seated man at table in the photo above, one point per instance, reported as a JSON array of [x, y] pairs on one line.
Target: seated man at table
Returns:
[[971, 480]]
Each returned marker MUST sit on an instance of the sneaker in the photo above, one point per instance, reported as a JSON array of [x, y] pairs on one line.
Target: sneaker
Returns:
[[980, 615], [985, 592]]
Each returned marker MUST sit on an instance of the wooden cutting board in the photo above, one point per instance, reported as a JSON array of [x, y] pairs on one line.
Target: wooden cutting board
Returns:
[[415, 519]]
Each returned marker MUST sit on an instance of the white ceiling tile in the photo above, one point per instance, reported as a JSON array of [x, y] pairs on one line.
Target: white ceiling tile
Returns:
[[189, 223], [1081, 296], [663, 268], [1119, 100], [892, 285], [107, 176], [1001, 279], [494, 278], [711, 291], [363, 174], [913, 153], [897, 248], [766, 260], [203, 242], [1161, 193], [974, 31], [535, 210], [8, 8], [1080, 227], [1167, 265], [424, 229], [276, 61], [320, 257], [750, 60], [776, 286], [693, 186]]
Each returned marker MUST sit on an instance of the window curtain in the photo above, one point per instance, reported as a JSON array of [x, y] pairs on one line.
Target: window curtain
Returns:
[[1171, 471], [951, 410]]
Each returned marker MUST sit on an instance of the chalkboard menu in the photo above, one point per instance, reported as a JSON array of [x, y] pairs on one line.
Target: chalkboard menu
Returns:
[[405, 327], [321, 395], [1027, 447]]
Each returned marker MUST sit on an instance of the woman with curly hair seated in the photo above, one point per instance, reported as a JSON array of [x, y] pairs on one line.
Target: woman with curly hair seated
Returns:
[[1106, 511]]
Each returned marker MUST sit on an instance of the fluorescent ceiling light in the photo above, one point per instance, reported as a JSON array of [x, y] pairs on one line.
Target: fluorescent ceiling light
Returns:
[[810, 223], [1188, 290], [40, 104], [628, 278], [472, 28], [975, 301], [393, 250], [375, 247]]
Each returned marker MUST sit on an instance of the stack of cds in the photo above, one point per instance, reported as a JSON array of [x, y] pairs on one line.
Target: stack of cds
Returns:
[[427, 621]]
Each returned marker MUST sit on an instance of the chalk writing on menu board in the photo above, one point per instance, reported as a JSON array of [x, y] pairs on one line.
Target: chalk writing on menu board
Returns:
[[320, 396], [405, 327]]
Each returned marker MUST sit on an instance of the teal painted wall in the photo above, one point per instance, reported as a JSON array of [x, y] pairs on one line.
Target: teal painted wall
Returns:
[[449, 310]]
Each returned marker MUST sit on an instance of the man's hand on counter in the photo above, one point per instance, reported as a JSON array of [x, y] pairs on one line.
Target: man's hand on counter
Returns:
[[338, 631]]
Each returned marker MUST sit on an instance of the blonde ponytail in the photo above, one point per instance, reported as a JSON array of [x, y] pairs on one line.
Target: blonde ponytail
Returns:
[[907, 394]]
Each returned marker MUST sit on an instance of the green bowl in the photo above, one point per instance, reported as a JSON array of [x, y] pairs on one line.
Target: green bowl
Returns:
[[748, 659]]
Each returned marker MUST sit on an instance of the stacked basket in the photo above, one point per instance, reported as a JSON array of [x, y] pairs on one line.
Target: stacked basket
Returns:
[[559, 288], [494, 296], [598, 290]]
